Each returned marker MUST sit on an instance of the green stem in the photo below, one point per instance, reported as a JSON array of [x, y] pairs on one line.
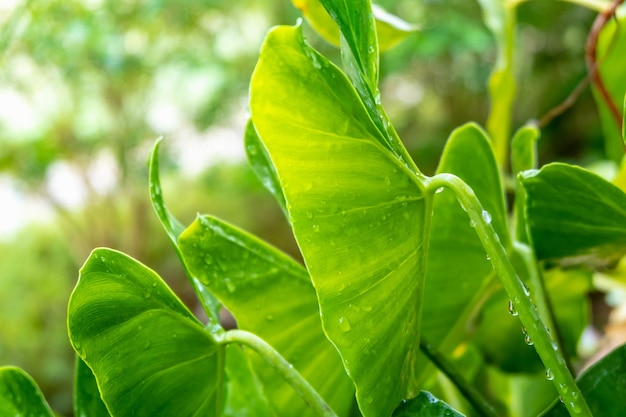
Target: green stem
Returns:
[[472, 395], [540, 295], [547, 349], [287, 371]]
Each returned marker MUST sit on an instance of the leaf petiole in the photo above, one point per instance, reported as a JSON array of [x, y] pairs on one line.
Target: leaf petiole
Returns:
[[537, 332], [284, 368]]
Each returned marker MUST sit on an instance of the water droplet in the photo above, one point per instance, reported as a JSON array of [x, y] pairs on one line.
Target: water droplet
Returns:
[[369, 400], [174, 335], [316, 227], [309, 214], [354, 307], [526, 289], [528, 340], [387, 180], [154, 284], [367, 308], [549, 375], [439, 190], [512, 309], [147, 295], [488, 257], [344, 324], [269, 317], [486, 216], [472, 223]]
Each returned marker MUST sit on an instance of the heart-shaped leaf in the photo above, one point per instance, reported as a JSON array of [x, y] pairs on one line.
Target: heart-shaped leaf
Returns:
[[270, 295], [457, 265], [150, 356], [601, 385], [20, 395], [357, 210], [572, 212]]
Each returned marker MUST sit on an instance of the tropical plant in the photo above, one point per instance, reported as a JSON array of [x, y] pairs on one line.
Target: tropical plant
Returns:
[[408, 278]]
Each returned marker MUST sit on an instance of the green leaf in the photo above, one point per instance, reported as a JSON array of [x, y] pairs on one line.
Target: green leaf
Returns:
[[262, 165], [150, 356], [359, 47], [20, 395], [87, 401], [358, 214], [572, 212], [602, 386], [524, 149], [457, 265], [359, 51], [270, 295], [425, 405], [390, 29], [174, 228]]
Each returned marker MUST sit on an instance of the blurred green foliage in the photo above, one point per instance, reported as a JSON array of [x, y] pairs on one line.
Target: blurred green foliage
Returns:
[[106, 77]]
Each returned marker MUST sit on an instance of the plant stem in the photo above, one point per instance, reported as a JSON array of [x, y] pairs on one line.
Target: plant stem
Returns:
[[547, 349], [287, 371], [472, 395]]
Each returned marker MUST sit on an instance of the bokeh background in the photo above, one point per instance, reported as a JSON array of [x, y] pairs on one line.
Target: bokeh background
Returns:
[[86, 87]]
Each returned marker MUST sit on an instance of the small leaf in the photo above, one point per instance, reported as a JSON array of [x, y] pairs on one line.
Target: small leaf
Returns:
[[149, 355], [87, 401], [425, 405], [524, 149], [572, 212], [602, 386], [390, 29], [270, 295], [457, 265], [20, 395], [357, 210], [262, 165], [174, 228]]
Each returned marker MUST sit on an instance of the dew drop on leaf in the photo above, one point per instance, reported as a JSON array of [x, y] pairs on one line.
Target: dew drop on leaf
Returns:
[[549, 375], [269, 317], [344, 324], [512, 309], [528, 340], [439, 190], [486, 216]]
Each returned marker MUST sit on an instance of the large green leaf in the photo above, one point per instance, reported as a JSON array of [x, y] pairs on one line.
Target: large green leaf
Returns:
[[425, 405], [573, 212], [457, 265], [390, 29], [358, 213], [270, 295], [20, 395], [87, 401], [149, 355], [602, 385]]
